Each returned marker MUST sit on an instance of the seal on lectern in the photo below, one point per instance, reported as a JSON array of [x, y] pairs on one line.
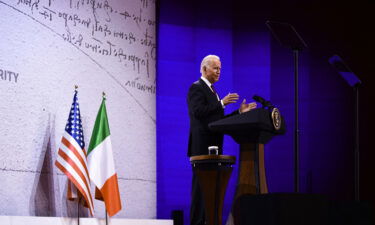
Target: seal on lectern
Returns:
[[276, 118]]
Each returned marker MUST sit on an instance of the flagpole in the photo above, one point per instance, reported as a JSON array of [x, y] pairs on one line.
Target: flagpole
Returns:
[[79, 196], [106, 214], [79, 200], [106, 217]]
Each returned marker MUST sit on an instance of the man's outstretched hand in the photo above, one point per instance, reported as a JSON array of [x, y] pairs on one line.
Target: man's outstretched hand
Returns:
[[230, 98], [247, 107]]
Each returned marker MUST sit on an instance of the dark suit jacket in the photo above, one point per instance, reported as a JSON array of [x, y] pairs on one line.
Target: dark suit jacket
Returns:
[[204, 108]]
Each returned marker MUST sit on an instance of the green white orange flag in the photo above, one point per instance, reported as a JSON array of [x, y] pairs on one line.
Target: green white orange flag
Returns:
[[101, 164]]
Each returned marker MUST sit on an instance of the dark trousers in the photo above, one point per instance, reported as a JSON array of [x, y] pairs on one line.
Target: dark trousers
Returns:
[[197, 216]]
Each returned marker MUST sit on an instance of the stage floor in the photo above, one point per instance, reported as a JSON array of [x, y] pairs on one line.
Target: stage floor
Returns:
[[33, 220]]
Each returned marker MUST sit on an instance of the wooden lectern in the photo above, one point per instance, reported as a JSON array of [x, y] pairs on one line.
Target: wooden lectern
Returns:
[[213, 172], [251, 130]]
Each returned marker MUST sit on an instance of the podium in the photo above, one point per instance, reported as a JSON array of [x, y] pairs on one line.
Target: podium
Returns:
[[251, 130], [213, 172]]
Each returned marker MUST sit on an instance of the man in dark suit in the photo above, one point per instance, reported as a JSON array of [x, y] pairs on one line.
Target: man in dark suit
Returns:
[[205, 106]]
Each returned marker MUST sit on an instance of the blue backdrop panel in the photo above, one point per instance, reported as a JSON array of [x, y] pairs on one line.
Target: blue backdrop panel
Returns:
[[181, 50]]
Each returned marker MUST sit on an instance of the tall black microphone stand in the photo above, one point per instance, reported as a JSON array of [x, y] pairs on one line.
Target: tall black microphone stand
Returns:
[[296, 125], [355, 82], [288, 37], [356, 148]]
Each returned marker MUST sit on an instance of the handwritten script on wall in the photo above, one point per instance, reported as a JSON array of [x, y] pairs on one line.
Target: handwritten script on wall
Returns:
[[122, 31]]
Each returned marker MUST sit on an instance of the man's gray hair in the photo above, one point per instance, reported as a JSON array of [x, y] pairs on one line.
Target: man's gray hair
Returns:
[[206, 60]]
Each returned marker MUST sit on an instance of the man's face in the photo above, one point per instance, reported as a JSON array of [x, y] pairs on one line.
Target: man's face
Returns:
[[212, 71]]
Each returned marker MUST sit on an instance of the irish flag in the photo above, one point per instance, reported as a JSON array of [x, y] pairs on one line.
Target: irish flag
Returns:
[[101, 165]]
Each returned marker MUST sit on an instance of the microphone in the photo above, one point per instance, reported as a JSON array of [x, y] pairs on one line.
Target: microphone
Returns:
[[263, 101]]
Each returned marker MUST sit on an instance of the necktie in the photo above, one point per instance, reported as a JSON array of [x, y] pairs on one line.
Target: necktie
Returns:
[[213, 89]]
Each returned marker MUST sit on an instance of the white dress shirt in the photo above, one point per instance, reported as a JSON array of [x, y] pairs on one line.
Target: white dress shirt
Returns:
[[209, 85]]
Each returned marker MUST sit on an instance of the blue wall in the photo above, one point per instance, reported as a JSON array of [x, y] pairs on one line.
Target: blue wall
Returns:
[[178, 68]]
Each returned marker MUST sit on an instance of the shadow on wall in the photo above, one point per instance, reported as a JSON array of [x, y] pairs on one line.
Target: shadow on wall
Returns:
[[46, 185], [42, 200]]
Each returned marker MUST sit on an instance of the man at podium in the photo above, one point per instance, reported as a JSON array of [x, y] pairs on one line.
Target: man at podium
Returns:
[[205, 106]]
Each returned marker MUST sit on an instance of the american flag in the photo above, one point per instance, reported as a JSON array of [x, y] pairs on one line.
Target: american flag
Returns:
[[71, 158]]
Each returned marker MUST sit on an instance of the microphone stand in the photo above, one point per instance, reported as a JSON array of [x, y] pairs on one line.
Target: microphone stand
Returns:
[[288, 37], [356, 148], [355, 82], [296, 125]]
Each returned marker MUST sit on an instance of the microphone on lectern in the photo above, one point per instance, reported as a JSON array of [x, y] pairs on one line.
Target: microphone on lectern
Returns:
[[265, 103]]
